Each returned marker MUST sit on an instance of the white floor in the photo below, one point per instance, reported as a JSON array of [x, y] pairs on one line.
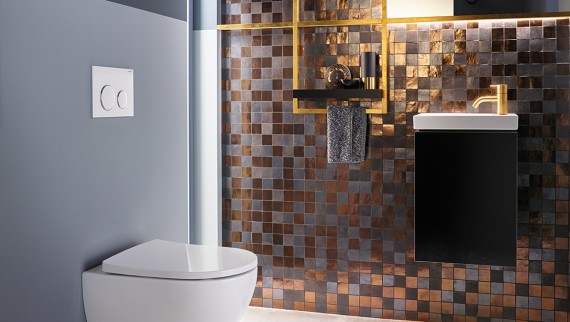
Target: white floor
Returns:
[[258, 314]]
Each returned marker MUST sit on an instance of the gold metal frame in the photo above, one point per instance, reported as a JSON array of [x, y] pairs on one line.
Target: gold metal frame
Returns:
[[296, 24], [332, 23]]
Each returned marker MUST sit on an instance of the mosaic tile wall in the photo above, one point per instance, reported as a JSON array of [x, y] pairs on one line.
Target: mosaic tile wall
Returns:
[[256, 11], [340, 9], [338, 238], [264, 11]]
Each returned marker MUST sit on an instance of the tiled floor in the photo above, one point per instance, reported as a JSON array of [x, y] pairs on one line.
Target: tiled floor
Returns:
[[258, 314]]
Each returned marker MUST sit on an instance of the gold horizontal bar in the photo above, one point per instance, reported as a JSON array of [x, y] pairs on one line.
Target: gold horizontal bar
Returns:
[[375, 111], [272, 25], [480, 17], [324, 111], [332, 23], [311, 111], [356, 22]]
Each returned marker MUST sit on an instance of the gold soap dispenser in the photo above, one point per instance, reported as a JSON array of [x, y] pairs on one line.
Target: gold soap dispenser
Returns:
[[500, 99]]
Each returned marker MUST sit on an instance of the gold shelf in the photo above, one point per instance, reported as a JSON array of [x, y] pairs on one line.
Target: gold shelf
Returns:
[[324, 111], [331, 23]]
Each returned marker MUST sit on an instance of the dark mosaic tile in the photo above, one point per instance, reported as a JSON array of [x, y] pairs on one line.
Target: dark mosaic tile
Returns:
[[339, 238]]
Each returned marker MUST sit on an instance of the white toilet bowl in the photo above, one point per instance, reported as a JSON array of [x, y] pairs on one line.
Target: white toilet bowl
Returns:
[[161, 281]]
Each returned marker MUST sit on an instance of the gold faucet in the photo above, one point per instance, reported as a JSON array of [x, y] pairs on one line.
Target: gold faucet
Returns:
[[500, 99]]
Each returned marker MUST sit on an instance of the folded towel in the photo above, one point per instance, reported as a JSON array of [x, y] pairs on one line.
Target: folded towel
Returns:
[[346, 134]]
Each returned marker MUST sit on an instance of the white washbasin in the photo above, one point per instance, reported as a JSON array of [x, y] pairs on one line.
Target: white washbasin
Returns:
[[465, 121]]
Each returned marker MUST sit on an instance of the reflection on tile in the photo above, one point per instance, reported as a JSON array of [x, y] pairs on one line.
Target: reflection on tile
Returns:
[[338, 238], [257, 314]]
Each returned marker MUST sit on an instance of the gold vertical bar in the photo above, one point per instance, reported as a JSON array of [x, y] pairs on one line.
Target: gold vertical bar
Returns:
[[385, 52], [296, 16]]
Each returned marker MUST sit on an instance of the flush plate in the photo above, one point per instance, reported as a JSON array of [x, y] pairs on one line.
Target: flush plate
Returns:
[[113, 92], [466, 121]]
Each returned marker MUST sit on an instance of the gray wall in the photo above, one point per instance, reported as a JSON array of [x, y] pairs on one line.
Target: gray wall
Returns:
[[74, 190], [171, 8], [205, 15]]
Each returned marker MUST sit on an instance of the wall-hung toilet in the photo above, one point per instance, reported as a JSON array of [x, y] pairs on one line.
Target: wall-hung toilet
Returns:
[[162, 281]]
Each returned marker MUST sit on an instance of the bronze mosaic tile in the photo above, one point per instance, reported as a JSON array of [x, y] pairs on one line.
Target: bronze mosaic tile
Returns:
[[256, 11], [339, 238], [340, 10]]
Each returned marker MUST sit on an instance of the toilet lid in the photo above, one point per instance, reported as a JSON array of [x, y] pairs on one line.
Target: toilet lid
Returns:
[[165, 259]]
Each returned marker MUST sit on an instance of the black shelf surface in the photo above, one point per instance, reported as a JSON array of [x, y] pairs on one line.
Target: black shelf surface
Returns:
[[337, 93]]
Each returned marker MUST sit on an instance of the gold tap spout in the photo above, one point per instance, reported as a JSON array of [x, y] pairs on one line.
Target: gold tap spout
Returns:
[[500, 99], [484, 99]]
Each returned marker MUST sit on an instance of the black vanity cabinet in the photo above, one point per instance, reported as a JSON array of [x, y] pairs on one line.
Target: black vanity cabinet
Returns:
[[466, 196]]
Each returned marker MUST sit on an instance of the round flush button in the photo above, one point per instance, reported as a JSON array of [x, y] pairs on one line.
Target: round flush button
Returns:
[[107, 98], [122, 99]]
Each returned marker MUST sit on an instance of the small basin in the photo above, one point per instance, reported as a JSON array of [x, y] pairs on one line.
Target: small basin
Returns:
[[466, 121]]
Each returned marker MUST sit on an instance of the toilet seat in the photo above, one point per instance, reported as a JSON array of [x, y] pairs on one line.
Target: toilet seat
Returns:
[[166, 259]]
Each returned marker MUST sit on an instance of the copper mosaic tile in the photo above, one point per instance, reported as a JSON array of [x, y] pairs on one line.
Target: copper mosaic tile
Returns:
[[312, 10], [338, 238], [256, 11]]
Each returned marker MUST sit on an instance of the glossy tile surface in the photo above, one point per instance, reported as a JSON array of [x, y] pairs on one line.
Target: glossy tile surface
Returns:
[[339, 238], [257, 314]]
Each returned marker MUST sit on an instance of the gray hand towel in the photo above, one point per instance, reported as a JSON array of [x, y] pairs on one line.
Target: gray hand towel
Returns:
[[346, 134]]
